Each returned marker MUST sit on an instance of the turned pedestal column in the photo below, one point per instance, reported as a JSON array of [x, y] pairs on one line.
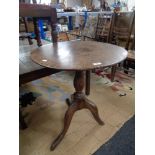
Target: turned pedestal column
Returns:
[[78, 101]]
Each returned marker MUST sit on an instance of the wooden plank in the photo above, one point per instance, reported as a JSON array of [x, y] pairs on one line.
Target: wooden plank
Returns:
[[29, 71], [35, 10], [36, 74], [26, 64]]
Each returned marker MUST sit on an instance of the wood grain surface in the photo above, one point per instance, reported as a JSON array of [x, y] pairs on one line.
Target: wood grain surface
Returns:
[[78, 55]]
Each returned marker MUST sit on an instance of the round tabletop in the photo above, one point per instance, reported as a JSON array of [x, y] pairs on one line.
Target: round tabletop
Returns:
[[78, 55]]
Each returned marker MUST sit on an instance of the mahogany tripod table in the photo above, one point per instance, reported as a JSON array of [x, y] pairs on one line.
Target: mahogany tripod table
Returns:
[[78, 56]]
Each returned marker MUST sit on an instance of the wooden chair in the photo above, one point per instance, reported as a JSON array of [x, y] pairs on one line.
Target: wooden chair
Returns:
[[24, 33], [121, 31], [130, 61], [23, 23], [103, 27], [28, 70], [98, 28]]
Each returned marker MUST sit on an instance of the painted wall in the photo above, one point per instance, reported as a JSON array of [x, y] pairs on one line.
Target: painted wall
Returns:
[[97, 2], [73, 3], [131, 4]]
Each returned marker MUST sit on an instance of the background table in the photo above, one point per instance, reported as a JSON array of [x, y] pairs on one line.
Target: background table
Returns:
[[78, 56]]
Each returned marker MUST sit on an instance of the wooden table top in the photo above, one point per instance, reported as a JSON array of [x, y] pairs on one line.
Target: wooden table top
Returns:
[[78, 55]]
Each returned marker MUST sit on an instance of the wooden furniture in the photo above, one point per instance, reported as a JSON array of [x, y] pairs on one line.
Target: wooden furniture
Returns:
[[100, 22], [130, 60], [102, 32], [103, 27], [25, 34], [38, 11], [28, 70], [121, 30], [78, 56], [23, 20]]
